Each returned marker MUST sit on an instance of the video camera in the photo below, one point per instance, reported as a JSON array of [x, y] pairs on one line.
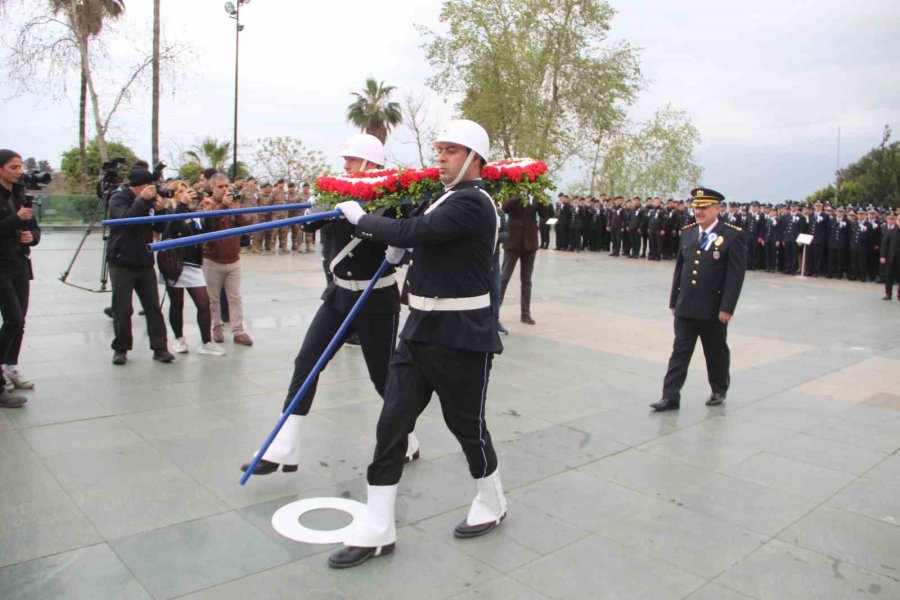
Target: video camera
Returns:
[[32, 180]]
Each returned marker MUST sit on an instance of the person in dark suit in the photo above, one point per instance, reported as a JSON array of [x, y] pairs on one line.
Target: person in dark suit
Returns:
[[770, 239], [576, 225], [521, 246], [544, 228], [818, 229], [791, 225], [890, 255], [838, 239], [635, 227], [616, 225], [709, 274], [753, 227], [858, 244], [562, 222]]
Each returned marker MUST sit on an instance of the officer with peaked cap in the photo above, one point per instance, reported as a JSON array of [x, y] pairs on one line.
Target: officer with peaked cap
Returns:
[[353, 263], [709, 274], [446, 346]]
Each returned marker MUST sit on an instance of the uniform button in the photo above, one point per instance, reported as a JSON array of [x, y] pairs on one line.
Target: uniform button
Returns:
[[695, 272], [349, 274], [698, 253], [696, 262], [693, 282], [350, 254]]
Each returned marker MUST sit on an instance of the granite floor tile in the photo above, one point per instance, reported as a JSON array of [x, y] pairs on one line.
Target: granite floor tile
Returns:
[[864, 542], [874, 437], [294, 580], [569, 447], [42, 526], [714, 591], [650, 474], [759, 509], [780, 571], [601, 569], [96, 434], [791, 476], [90, 573], [827, 453], [621, 427], [502, 588], [693, 542], [872, 498], [192, 556], [84, 469]]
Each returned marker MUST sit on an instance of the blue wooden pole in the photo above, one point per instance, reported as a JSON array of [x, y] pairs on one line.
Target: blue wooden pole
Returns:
[[190, 240], [317, 368], [203, 214]]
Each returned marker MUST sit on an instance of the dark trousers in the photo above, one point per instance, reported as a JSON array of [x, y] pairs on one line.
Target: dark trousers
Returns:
[[635, 243], [713, 335], [653, 252], [376, 337], [140, 280], [790, 257], [575, 236], [645, 243], [837, 262], [545, 235], [15, 286], [616, 237], [771, 256], [752, 253], [626, 242], [858, 267], [562, 237], [510, 258], [814, 258], [496, 298], [891, 274], [200, 297], [460, 378]]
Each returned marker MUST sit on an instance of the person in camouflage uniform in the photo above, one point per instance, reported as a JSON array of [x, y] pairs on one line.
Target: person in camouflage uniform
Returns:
[[280, 235], [262, 240], [309, 237]]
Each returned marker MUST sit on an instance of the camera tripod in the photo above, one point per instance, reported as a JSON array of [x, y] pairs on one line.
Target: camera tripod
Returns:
[[99, 211]]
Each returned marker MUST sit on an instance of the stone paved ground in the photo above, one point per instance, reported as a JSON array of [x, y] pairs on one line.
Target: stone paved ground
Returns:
[[122, 483]]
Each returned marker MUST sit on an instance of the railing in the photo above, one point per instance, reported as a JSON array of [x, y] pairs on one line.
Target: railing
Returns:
[[65, 209]]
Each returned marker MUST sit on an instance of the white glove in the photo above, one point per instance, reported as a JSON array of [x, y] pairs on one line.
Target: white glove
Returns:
[[351, 210], [394, 255]]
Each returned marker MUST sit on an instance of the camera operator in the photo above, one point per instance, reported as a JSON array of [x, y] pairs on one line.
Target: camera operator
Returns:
[[184, 200], [131, 265], [18, 232], [222, 263]]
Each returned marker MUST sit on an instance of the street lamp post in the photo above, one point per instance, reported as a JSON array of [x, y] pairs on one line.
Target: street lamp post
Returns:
[[234, 11]]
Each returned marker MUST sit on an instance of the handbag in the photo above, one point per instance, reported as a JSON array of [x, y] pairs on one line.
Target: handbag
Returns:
[[170, 261]]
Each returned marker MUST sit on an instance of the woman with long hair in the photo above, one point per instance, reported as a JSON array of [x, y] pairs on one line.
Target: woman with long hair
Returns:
[[184, 200], [18, 232]]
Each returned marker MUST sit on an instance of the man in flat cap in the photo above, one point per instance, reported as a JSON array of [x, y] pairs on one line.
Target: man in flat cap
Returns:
[[709, 274]]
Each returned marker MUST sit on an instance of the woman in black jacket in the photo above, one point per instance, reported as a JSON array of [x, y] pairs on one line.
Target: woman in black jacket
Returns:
[[191, 278], [18, 232]]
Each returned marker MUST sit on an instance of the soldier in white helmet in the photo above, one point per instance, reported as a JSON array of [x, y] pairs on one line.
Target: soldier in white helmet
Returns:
[[447, 344], [352, 263]]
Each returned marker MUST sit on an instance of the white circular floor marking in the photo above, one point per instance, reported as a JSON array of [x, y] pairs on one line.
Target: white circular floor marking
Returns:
[[286, 519]]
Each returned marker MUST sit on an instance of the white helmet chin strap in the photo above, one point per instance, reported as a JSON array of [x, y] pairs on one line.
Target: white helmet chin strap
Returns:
[[462, 171], [365, 164]]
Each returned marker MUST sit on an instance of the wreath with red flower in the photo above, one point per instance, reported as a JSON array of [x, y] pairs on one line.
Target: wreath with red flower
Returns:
[[519, 177]]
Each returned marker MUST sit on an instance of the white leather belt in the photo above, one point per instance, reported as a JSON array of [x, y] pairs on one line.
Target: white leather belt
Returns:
[[444, 304], [358, 285]]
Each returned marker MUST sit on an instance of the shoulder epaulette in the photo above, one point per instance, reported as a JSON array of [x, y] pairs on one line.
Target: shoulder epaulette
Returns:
[[689, 226], [735, 227]]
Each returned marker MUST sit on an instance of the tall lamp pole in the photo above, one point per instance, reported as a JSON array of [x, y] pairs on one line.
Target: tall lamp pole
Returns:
[[234, 11]]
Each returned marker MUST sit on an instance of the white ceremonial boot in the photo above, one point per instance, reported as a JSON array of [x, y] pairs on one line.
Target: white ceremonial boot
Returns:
[[373, 534], [412, 448], [487, 510], [284, 452]]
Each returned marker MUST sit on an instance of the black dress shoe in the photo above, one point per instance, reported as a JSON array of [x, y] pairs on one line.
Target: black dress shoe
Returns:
[[664, 404], [108, 311], [409, 459], [715, 399], [266, 467], [886, 298], [353, 339], [352, 556], [464, 530], [120, 358], [163, 356]]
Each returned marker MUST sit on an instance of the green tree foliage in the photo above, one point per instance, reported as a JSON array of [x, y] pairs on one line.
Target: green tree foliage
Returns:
[[656, 161], [373, 112], [541, 76], [71, 164], [287, 158], [873, 179]]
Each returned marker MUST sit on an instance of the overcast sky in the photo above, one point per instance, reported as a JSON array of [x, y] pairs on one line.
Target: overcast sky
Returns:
[[767, 83]]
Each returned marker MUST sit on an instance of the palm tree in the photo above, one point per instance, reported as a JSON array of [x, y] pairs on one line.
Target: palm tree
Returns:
[[214, 152], [372, 112], [86, 19]]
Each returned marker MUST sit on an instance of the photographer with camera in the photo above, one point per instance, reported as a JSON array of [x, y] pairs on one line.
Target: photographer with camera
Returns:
[[222, 263], [131, 265], [187, 270], [18, 232]]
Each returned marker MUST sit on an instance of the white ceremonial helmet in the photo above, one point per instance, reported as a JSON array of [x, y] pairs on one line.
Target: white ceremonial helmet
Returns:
[[364, 146], [467, 133]]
